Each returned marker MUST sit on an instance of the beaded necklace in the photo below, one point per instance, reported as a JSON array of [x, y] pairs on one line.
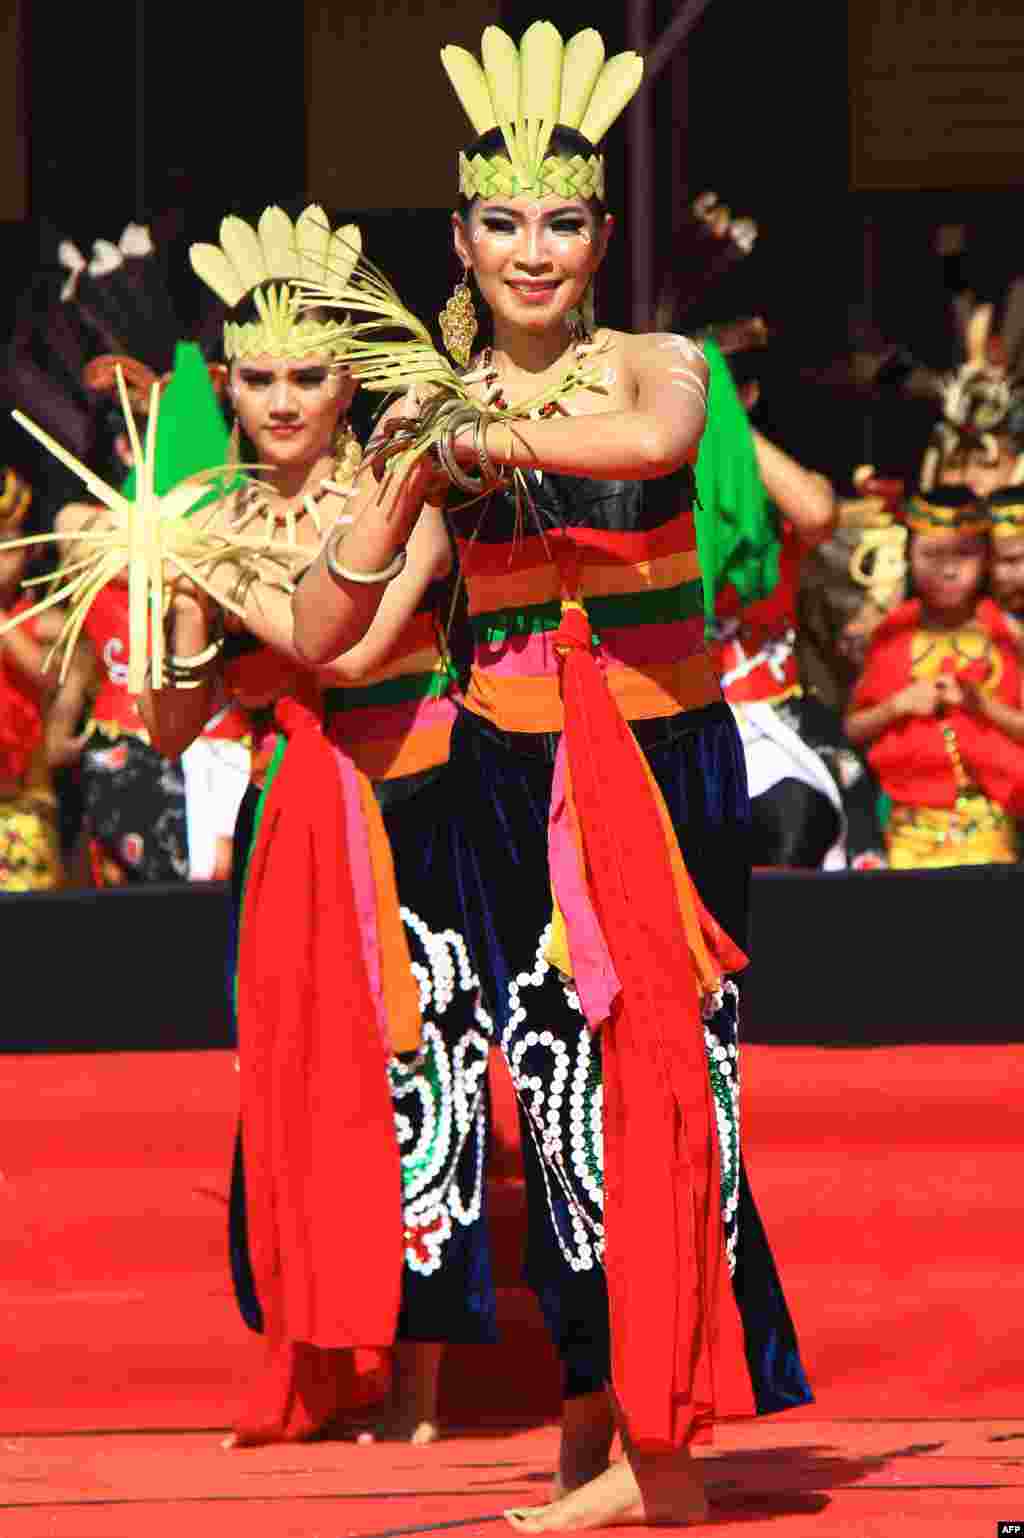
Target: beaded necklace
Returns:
[[252, 502], [495, 395]]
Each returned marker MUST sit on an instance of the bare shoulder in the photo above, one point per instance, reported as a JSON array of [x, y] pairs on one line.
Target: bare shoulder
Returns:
[[678, 357], [674, 348]]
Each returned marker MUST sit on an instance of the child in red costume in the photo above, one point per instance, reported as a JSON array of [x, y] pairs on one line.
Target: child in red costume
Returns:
[[940, 700]]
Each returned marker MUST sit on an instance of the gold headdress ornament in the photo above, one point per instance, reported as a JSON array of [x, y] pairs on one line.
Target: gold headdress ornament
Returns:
[[266, 262], [879, 561], [982, 402], [527, 92], [15, 500], [1006, 512], [947, 510]]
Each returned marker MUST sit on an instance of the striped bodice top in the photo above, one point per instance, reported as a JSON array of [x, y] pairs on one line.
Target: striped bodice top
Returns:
[[631, 553], [399, 720]]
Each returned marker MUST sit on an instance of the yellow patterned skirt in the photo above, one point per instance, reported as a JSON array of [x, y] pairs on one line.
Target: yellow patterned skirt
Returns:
[[29, 847], [974, 832]]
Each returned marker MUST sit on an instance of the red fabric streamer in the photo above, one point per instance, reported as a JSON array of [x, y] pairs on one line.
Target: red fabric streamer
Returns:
[[322, 1170], [678, 1360]]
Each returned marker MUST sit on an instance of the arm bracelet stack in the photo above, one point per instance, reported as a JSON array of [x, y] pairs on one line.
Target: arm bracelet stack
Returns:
[[189, 672], [490, 476]]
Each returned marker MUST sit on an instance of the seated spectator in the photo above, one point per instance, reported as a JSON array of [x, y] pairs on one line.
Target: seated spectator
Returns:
[[1006, 511], [941, 699]]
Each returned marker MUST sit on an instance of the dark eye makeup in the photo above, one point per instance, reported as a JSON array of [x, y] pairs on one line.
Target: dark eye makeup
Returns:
[[504, 224], [259, 379]]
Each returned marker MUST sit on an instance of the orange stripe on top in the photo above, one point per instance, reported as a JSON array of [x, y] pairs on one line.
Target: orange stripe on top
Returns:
[[491, 592], [391, 758], [535, 704]]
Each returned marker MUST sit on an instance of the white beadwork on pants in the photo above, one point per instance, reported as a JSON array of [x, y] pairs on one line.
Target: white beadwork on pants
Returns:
[[554, 1061], [438, 1097]]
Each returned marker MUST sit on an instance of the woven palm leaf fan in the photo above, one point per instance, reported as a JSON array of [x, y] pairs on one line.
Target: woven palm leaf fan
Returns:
[[153, 537]]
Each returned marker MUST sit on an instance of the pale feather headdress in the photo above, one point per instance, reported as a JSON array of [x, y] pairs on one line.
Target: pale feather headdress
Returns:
[[267, 262], [529, 91], [983, 400]]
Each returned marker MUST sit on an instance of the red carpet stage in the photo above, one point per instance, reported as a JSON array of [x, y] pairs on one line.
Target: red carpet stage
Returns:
[[890, 1182]]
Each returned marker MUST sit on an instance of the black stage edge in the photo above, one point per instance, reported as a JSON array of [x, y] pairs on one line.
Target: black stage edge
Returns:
[[127, 970], [883, 957]]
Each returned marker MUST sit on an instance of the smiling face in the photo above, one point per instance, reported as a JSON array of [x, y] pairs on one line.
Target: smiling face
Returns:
[[532, 257], [289, 408]]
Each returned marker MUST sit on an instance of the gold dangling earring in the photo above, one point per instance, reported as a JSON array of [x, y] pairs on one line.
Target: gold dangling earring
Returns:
[[235, 444], [347, 453], [458, 322]]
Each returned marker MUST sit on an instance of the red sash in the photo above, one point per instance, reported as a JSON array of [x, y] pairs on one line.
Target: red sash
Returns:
[[323, 1177], [678, 1359]]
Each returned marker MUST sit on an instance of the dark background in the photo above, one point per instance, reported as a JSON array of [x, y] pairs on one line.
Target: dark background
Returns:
[[175, 115]]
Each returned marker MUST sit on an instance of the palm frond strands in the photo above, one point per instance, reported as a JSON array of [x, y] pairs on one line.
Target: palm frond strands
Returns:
[[154, 539]]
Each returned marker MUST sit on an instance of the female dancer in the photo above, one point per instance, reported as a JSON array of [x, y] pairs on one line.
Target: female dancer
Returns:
[[633, 1170], [387, 716]]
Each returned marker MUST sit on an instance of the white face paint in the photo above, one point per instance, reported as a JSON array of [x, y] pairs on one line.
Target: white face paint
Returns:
[[477, 236], [680, 344], [681, 375]]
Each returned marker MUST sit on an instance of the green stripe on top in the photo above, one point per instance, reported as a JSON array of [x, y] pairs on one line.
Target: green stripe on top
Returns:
[[662, 606], [393, 691]]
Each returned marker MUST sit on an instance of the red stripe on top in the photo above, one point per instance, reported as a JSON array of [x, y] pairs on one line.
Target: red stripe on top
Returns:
[[598, 545]]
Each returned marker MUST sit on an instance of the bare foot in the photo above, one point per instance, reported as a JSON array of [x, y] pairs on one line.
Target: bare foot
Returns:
[[412, 1416], [588, 1430], [420, 1433], [670, 1492]]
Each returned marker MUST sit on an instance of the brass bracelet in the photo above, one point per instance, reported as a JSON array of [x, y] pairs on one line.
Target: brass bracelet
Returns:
[[462, 416], [493, 476], [188, 672], [341, 573]]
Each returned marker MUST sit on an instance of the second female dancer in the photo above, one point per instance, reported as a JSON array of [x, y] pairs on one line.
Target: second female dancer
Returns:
[[357, 1213], [595, 769]]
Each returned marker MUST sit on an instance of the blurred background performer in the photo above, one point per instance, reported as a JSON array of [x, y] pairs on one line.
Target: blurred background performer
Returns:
[[29, 844], [115, 312]]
